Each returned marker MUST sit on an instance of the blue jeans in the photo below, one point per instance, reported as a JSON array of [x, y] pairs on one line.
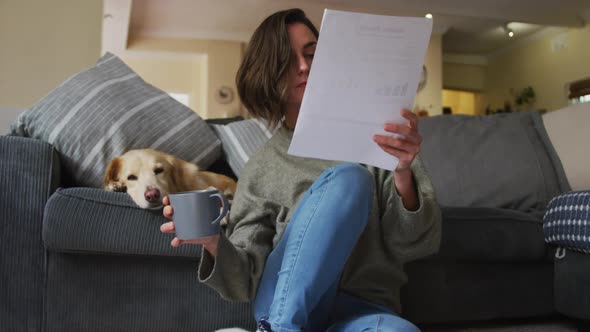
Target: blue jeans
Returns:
[[299, 285]]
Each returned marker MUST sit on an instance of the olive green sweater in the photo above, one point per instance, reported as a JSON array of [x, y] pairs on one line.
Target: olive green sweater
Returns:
[[269, 188]]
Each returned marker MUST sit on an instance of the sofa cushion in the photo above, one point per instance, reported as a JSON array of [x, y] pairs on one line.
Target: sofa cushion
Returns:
[[113, 224], [450, 292], [102, 112], [110, 293], [490, 234], [241, 139], [572, 285], [568, 128], [101, 222], [503, 161]]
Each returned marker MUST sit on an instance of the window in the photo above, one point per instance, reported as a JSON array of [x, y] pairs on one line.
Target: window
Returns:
[[582, 99], [580, 91]]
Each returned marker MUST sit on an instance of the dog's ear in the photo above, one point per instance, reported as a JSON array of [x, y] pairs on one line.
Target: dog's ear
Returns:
[[182, 173], [111, 181]]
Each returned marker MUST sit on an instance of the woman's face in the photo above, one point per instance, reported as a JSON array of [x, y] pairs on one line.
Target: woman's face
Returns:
[[303, 43]]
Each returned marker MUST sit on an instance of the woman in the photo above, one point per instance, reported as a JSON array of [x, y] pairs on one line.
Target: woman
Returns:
[[315, 244]]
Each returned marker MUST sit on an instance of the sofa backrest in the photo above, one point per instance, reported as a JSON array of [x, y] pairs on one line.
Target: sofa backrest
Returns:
[[504, 160]]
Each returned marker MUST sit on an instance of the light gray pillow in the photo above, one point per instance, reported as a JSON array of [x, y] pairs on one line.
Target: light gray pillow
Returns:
[[568, 130], [100, 113], [503, 160], [241, 139]]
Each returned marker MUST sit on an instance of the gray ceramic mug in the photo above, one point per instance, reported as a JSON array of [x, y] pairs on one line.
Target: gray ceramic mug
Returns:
[[196, 213]]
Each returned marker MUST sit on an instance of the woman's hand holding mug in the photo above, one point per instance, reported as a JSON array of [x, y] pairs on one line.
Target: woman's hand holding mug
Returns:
[[210, 243]]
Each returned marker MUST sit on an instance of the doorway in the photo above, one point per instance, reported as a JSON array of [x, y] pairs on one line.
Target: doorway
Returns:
[[460, 102]]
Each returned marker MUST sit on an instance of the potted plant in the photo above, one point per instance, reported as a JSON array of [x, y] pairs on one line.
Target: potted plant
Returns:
[[526, 97]]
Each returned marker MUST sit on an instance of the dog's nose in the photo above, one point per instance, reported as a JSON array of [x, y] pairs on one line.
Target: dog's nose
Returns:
[[152, 195]]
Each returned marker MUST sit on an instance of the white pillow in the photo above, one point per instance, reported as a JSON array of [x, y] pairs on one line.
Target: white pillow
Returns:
[[569, 131]]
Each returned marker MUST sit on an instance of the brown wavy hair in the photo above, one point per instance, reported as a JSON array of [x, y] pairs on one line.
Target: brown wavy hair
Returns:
[[262, 77]]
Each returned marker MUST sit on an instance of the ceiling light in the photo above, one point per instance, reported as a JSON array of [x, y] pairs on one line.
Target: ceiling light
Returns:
[[508, 31], [428, 16]]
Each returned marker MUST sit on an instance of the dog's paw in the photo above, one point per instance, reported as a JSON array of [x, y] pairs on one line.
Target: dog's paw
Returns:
[[224, 221], [229, 194]]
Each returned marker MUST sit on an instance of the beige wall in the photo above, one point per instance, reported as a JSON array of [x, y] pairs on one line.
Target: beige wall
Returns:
[[537, 64], [464, 77], [42, 44], [173, 73], [221, 60], [430, 98]]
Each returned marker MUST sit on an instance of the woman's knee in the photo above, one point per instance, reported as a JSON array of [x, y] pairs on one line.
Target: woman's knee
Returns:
[[355, 177], [395, 323]]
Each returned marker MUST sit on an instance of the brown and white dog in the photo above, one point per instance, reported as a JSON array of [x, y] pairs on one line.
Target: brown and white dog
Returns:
[[148, 175]]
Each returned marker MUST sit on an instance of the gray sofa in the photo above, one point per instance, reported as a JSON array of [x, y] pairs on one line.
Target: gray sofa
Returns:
[[76, 258]]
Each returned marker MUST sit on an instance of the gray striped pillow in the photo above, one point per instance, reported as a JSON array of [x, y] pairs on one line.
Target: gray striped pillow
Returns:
[[241, 139], [102, 112]]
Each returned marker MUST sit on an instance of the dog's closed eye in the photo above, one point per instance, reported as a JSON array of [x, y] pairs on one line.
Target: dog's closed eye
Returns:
[[158, 170], [116, 187], [132, 177]]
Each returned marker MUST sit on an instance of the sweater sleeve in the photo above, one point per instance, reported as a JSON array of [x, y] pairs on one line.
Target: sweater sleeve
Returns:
[[248, 240], [409, 235]]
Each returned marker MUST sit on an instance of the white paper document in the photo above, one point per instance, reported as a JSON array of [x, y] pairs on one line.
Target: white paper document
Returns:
[[365, 70]]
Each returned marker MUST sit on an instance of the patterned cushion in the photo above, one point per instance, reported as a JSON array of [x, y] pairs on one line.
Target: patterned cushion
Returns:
[[241, 139], [567, 221], [102, 112]]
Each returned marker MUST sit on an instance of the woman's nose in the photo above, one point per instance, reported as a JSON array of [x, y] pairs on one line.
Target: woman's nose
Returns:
[[302, 65]]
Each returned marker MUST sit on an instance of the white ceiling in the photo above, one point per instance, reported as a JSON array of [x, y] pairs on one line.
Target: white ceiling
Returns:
[[468, 26]]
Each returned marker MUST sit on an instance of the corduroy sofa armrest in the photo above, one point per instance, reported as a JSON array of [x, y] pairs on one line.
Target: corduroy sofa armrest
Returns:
[[29, 174], [94, 221]]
